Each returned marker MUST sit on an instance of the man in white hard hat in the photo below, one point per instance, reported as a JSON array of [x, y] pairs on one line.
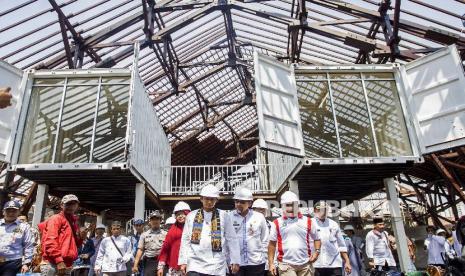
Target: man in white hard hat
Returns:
[[333, 245], [260, 205], [208, 237], [291, 235], [436, 246], [169, 253], [252, 234]]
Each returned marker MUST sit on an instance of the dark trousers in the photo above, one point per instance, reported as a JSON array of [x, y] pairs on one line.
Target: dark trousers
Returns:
[[150, 265], [328, 271], [10, 268], [193, 273], [251, 270]]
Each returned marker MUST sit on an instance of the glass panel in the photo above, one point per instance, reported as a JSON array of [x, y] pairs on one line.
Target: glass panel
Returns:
[[40, 129], [77, 122], [315, 76], [385, 75], [317, 120], [74, 81], [111, 124], [353, 121], [49, 81], [116, 80], [388, 120], [344, 76]]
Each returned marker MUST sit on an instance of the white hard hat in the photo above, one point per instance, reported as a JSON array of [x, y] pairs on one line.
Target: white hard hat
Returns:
[[260, 203], [170, 220], [349, 228], [439, 231], [181, 206], [210, 191], [289, 197], [243, 194], [100, 226]]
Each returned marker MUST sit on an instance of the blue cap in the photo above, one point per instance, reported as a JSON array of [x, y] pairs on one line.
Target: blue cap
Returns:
[[12, 205], [138, 222]]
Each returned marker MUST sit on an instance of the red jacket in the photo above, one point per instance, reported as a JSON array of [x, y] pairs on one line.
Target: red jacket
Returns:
[[170, 250], [59, 244]]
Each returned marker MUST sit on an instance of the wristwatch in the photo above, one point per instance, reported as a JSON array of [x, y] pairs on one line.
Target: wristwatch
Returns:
[[318, 250]]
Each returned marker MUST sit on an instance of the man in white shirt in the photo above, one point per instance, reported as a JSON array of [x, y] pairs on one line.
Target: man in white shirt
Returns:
[[114, 252], [208, 237], [260, 205], [291, 235], [436, 246], [252, 234], [378, 250], [333, 245]]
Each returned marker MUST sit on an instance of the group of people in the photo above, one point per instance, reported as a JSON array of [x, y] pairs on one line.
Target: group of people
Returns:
[[206, 241]]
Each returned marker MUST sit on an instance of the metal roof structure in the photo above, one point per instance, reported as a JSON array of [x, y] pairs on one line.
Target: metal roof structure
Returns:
[[196, 56]]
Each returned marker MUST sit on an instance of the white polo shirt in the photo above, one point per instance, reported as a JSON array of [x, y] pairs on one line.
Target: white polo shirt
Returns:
[[332, 243], [292, 237], [252, 233]]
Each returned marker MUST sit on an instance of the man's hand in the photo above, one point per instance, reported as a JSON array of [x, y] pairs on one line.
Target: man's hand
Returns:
[[5, 97], [61, 268], [183, 269], [160, 272], [97, 271], [347, 268], [314, 257], [234, 268], [273, 269], [371, 263], [24, 268], [135, 269]]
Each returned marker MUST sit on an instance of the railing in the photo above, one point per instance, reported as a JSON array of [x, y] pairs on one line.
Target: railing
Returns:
[[189, 180]]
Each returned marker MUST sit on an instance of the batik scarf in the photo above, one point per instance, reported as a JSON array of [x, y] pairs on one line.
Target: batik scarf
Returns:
[[215, 230]]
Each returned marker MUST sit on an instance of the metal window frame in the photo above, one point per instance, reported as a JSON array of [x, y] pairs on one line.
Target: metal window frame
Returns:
[[394, 68]]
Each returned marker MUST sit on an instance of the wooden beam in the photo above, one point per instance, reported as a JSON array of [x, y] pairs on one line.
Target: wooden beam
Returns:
[[447, 175]]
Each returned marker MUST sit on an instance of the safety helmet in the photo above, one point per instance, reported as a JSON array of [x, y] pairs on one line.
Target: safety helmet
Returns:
[[243, 194], [210, 191], [260, 203], [289, 197], [181, 206]]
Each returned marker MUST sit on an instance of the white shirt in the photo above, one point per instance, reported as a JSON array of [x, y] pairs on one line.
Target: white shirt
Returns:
[[253, 234], [457, 245], [435, 246], [200, 257], [332, 243], [377, 248], [108, 257], [294, 242]]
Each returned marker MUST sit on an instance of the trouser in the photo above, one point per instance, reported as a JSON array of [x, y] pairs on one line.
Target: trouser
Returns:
[[150, 265], [295, 270], [51, 270], [330, 271], [251, 270], [193, 273], [386, 268], [83, 271], [119, 273], [10, 268]]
